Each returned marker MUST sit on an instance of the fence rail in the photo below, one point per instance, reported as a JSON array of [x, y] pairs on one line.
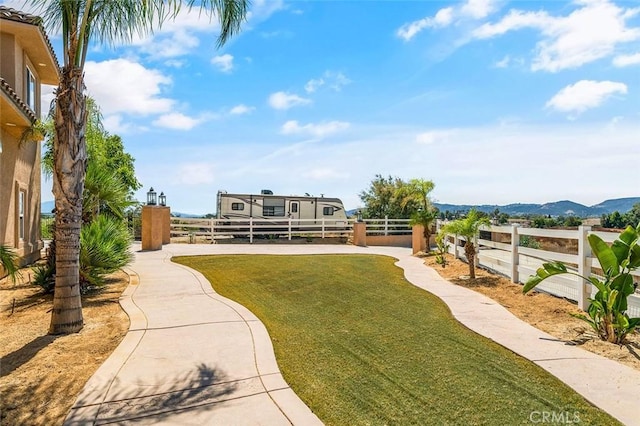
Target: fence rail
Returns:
[[214, 229], [506, 254]]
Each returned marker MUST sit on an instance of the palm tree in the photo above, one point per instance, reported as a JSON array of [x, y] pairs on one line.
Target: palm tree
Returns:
[[416, 193], [9, 263], [81, 22], [468, 228]]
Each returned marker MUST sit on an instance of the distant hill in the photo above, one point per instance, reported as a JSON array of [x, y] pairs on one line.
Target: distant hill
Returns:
[[557, 208], [47, 207]]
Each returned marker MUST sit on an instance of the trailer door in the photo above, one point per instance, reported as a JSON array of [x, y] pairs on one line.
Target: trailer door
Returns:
[[294, 209]]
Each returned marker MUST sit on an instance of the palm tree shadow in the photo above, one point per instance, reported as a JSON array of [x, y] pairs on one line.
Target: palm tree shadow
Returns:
[[197, 389], [17, 358]]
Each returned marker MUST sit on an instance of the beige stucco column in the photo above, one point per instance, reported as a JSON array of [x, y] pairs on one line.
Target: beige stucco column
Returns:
[[418, 243], [152, 227], [360, 234], [166, 224]]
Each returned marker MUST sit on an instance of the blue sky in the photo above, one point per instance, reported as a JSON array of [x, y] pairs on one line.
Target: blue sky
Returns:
[[495, 101]]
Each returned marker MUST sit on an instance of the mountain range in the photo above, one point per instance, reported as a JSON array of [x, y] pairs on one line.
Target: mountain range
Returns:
[[557, 208]]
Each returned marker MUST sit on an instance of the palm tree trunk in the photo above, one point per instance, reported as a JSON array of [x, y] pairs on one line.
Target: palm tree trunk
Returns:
[[427, 237], [470, 253], [69, 155]]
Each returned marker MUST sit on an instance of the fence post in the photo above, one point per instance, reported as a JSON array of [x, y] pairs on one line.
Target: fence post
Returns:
[[584, 267], [212, 230], [250, 230], [289, 228], [323, 227], [386, 225], [360, 234], [515, 256]]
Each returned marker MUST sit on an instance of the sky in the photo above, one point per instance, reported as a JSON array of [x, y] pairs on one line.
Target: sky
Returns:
[[496, 101]]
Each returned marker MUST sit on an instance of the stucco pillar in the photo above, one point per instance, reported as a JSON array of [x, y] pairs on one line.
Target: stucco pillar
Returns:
[[418, 243], [166, 224], [360, 234], [152, 228]]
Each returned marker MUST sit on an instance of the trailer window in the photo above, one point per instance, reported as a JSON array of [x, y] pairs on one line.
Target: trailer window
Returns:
[[327, 211], [294, 207], [273, 207], [237, 206]]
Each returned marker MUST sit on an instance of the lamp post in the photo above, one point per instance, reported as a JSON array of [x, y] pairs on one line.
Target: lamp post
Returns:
[[151, 197], [359, 215], [162, 199]]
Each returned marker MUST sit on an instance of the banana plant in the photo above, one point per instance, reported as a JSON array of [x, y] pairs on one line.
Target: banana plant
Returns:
[[607, 313]]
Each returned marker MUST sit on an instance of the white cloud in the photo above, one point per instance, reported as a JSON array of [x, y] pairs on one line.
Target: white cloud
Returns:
[[224, 62], [470, 9], [136, 90], [284, 100], [503, 63], [319, 130], [241, 109], [442, 18], [433, 136], [591, 32], [585, 94], [114, 124], [478, 9], [46, 98], [313, 85], [177, 121], [175, 63], [626, 60], [333, 80], [196, 173]]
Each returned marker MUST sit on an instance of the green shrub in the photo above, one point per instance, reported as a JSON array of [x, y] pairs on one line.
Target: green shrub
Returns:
[[528, 241], [44, 277], [442, 247], [607, 313], [104, 248], [9, 263]]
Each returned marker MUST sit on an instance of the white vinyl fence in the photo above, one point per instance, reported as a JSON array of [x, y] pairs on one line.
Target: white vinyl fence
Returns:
[[504, 254], [213, 229]]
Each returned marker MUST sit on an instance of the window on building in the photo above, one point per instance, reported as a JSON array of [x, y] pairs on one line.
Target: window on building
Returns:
[[22, 196], [294, 207], [31, 90], [273, 207], [327, 211], [237, 206]]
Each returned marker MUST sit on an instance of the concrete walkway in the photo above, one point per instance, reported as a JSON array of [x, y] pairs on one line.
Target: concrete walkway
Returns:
[[194, 357]]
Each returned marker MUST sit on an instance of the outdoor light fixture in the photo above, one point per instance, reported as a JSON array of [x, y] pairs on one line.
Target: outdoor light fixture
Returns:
[[151, 197], [359, 215], [162, 199]]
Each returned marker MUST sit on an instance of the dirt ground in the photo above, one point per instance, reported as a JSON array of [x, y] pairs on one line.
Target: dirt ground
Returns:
[[41, 375], [548, 313]]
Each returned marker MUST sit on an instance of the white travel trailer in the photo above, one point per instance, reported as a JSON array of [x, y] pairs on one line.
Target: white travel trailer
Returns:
[[269, 206]]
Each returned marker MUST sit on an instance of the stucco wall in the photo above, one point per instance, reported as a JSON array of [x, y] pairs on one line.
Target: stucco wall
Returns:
[[20, 170], [389, 240]]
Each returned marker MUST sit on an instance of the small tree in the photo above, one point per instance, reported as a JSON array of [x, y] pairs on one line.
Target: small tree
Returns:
[[416, 193], [607, 313], [381, 199], [468, 228]]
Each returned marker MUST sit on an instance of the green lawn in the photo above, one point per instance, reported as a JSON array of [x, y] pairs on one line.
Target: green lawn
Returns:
[[361, 345]]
